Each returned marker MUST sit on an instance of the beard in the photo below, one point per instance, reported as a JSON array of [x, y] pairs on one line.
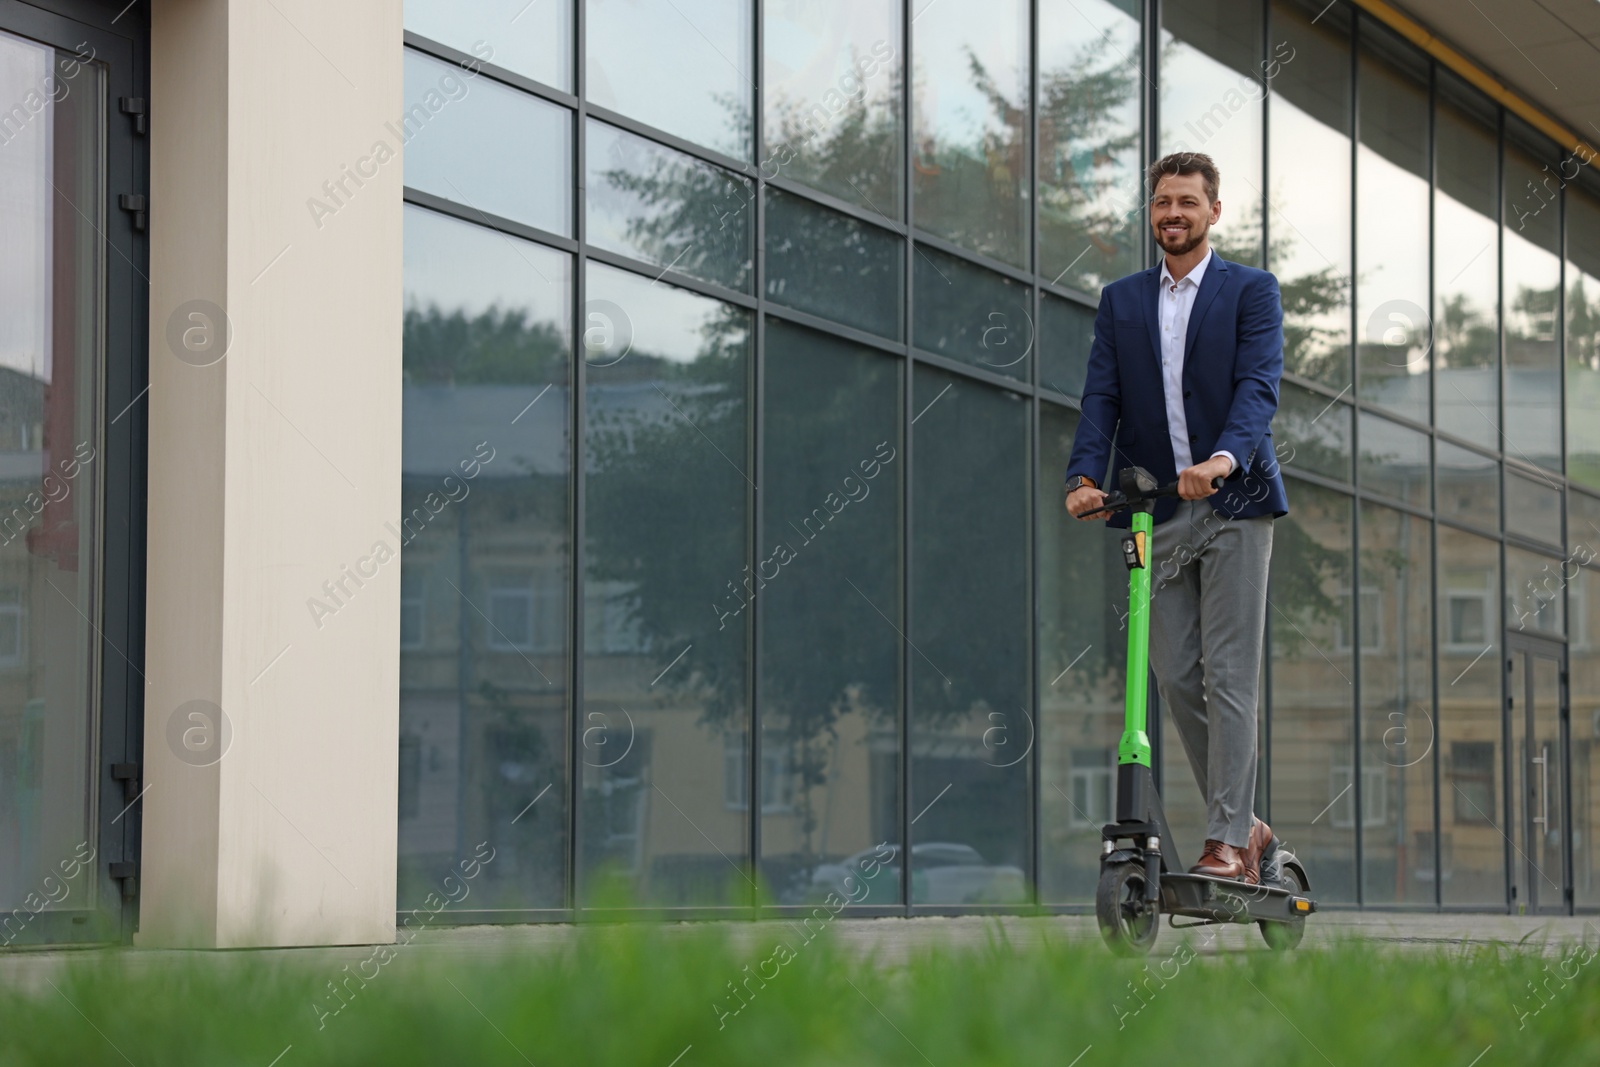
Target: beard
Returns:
[[1180, 245]]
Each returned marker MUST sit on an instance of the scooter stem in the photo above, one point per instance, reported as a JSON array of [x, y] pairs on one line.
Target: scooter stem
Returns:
[[1135, 744]]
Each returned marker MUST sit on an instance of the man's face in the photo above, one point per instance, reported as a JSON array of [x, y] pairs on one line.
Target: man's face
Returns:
[[1180, 213]]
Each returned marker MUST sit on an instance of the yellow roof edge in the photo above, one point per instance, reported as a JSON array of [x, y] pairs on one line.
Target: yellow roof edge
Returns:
[[1418, 35]]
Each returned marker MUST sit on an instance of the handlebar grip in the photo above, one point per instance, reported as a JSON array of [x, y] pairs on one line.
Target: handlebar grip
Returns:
[[1171, 488]]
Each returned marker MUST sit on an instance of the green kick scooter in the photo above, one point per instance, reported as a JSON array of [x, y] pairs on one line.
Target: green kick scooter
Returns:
[[1140, 873]]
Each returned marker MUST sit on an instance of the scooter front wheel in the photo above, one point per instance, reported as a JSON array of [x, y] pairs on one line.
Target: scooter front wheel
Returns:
[[1281, 936], [1128, 922]]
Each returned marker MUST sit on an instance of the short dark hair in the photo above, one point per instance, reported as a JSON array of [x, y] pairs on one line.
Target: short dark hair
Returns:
[[1186, 163]]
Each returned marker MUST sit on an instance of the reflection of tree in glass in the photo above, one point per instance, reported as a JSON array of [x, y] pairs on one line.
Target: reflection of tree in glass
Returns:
[[826, 653], [1090, 189], [1303, 569], [690, 214], [1467, 336], [854, 154], [1534, 310], [665, 513], [975, 193], [1315, 338], [1583, 325], [498, 346]]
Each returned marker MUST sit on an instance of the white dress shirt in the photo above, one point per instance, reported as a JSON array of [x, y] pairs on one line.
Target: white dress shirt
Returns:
[[1177, 302]]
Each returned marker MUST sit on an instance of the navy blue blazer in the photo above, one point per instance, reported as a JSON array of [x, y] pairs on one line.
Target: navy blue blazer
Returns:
[[1233, 360]]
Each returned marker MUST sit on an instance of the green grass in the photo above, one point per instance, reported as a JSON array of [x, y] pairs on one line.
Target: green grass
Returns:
[[641, 995]]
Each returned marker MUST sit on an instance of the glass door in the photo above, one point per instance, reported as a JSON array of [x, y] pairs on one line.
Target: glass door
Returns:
[[1536, 712], [67, 834]]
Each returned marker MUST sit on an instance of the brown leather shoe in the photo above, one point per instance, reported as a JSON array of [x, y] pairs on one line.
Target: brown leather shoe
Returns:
[[1260, 838], [1220, 860]]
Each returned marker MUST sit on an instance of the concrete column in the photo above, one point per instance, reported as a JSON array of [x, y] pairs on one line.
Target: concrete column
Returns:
[[271, 736]]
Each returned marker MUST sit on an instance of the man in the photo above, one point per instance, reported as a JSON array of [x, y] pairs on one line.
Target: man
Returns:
[[1183, 381]]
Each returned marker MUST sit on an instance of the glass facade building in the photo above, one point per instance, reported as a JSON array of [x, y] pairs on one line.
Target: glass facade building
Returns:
[[742, 343]]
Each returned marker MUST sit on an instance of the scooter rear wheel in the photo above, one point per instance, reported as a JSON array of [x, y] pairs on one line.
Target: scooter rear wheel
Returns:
[[1281, 937], [1128, 922]]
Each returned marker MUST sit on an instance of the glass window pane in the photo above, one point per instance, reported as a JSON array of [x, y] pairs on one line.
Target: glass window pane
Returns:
[[1211, 93], [1392, 224], [1583, 527], [833, 97], [970, 125], [1533, 508], [1396, 642], [1583, 335], [832, 265], [1466, 271], [666, 208], [972, 314], [1091, 163], [1083, 591], [1313, 431], [485, 514], [534, 39], [1534, 598], [1394, 460], [664, 676], [1532, 308], [682, 68], [1067, 333], [1313, 690], [1583, 691], [52, 349], [1469, 486], [1310, 219], [485, 145], [1471, 715], [830, 723], [970, 627]]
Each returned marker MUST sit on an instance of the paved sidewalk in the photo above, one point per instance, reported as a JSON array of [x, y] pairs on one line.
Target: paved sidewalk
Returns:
[[891, 941]]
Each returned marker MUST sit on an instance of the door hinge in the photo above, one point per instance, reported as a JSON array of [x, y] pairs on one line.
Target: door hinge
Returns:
[[128, 775], [127, 872], [133, 203], [133, 105]]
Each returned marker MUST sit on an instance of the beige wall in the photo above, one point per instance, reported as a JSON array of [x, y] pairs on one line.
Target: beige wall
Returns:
[[270, 471]]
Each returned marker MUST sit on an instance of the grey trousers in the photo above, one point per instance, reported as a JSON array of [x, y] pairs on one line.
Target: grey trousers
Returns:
[[1209, 610]]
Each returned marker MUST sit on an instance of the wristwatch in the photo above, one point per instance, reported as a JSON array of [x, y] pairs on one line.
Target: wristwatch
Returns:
[[1078, 481]]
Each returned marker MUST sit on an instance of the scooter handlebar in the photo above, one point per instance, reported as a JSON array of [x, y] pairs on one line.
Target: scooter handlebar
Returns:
[[1116, 500]]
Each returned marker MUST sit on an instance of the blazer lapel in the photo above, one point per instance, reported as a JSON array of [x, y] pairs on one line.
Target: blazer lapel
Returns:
[[1216, 277]]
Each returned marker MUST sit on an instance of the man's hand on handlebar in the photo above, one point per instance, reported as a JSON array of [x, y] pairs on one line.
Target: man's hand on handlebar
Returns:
[[1086, 498], [1194, 483]]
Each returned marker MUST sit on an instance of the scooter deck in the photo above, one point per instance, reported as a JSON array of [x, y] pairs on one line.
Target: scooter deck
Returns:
[[1202, 896]]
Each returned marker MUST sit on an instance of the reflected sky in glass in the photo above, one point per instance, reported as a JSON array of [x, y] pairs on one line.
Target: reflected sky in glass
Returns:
[[1310, 205], [486, 145], [832, 97], [534, 39], [970, 125], [1466, 279], [1583, 336], [682, 67], [1091, 211], [1392, 238], [1211, 93], [1532, 309]]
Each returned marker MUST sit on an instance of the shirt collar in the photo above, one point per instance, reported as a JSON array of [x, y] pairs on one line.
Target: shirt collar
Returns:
[[1197, 275]]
